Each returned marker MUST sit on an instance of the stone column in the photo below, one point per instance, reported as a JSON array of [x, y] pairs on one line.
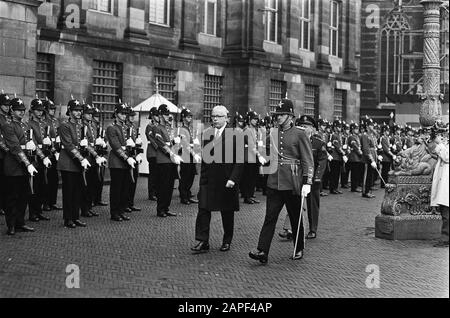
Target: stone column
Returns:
[[431, 110]]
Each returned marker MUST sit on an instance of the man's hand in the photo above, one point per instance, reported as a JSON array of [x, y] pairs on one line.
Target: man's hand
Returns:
[[47, 162], [139, 158], [380, 158], [230, 184], [85, 164], [84, 143], [394, 157], [262, 160], [374, 165], [306, 189], [47, 141], [197, 158], [196, 142], [130, 143], [131, 162], [260, 143], [345, 158], [31, 170], [57, 156], [100, 161], [330, 158], [176, 159], [177, 140], [57, 140], [30, 146]]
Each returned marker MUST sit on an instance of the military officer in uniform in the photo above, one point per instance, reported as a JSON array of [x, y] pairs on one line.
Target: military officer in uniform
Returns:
[[336, 151], [251, 168], [369, 150], [73, 164], [151, 152], [167, 159], [17, 168], [290, 182], [4, 118], [41, 137], [387, 156], [355, 158], [102, 150], [188, 168], [345, 165], [121, 164], [52, 122]]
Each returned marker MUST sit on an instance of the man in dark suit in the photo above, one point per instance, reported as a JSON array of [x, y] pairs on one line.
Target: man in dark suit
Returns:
[[219, 180], [290, 182]]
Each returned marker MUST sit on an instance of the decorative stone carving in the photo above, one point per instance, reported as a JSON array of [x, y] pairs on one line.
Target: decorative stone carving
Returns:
[[415, 161]]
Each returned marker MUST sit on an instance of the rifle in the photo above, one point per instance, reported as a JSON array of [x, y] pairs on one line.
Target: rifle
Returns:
[[83, 152], [31, 155]]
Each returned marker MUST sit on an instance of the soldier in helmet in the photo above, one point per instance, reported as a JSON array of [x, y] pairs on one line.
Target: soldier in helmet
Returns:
[[355, 158], [4, 118], [290, 182], [189, 145], [121, 164], [41, 137], [52, 122], [18, 168], [151, 152], [102, 150], [167, 159], [345, 165], [73, 164], [336, 151]]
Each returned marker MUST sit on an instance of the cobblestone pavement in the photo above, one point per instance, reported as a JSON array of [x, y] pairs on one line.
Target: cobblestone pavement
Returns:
[[150, 257]]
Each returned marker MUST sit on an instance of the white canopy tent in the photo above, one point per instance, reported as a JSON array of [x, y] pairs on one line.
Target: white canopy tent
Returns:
[[144, 110]]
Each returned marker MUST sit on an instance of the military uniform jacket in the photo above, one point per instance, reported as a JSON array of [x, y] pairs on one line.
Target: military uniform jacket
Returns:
[[3, 148], [70, 157], [40, 131], [16, 134], [368, 146], [336, 149], [354, 145], [320, 156], [294, 146], [152, 146], [187, 149], [396, 144], [116, 135], [251, 137], [386, 149], [133, 133], [91, 132], [164, 136]]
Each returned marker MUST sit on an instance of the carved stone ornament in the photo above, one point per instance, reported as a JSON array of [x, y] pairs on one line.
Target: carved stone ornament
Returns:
[[415, 161]]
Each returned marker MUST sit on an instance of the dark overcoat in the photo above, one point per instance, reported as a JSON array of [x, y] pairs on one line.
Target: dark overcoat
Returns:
[[213, 195]]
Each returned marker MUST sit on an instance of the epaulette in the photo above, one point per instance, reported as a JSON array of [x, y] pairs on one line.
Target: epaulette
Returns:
[[301, 128]]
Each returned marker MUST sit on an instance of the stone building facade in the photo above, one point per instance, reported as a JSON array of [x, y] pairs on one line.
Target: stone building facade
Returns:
[[199, 53]]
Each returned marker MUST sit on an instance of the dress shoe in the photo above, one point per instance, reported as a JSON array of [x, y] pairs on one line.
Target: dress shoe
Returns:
[[286, 234], [34, 219], [116, 218], [297, 256], [134, 209], [43, 217], [368, 195], [56, 207], [124, 217], [2, 212], [255, 201], [311, 235], [186, 202], [101, 204], [86, 214], [69, 224], [11, 231], [201, 247], [225, 247], [79, 223], [152, 198], [161, 215], [195, 201], [344, 186], [46, 208], [92, 213], [335, 192], [248, 201], [323, 194], [25, 228], [127, 210], [441, 244], [259, 256], [357, 191], [170, 214]]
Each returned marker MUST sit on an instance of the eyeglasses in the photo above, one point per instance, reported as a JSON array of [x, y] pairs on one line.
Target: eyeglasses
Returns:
[[217, 116]]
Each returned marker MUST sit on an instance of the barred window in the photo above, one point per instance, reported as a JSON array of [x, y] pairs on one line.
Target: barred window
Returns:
[[212, 95], [106, 87], [339, 104], [334, 27], [159, 12], [305, 24], [166, 83], [311, 100], [105, 6], [45, 75], [276, 93]]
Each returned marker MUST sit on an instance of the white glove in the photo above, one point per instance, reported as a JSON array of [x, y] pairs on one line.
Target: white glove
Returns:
[[84, 143], [404, 147], [30, 146], [138, 141], [394, 157], [100, 161], [230, 184], [197, 158], [176, 159], [379, 146], [177, 140], [306, 189], [57, 156], [380, 158], [139, 158], [262, 160], [344, 147], [47, 141], [260, 143], [374, 165], [47, 162], [130, 143], [99, 141], [85, 164], [196, 142], [31, 170], [345, 158], [58, 140], [329, 144], [131, 162], [330, 158]]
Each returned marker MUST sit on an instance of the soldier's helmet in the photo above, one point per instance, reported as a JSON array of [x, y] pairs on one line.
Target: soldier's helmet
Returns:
[[354, 126], [88, 108], [37, 104], [384, 128], [72, 105], [345, 126], [153, 112], [285, 107], [131, 111], [96, 112], [306, 120], [163, 109], [5, 100], [17, 104], [48, 104], [251, 115], [238, 118], [121, 108], [185, 113], [321, 122], [337, 123]]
